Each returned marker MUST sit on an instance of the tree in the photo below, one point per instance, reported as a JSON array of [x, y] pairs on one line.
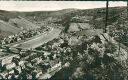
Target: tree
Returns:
[[106, 22]]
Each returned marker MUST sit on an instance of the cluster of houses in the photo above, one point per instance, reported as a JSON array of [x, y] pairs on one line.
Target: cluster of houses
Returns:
[[31, 64]]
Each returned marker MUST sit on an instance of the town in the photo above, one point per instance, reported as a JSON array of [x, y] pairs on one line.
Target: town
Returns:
[[67, 44]]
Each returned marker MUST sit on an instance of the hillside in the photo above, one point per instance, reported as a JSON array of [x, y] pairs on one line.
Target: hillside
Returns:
[[61, 14], [6, 29], [6, 15], [22, 23], [31, 20]]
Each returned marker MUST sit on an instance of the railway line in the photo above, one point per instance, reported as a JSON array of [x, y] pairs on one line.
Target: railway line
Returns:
[[38, 40]]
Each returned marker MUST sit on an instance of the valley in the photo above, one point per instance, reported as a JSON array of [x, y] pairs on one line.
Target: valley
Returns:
[[65, 44]]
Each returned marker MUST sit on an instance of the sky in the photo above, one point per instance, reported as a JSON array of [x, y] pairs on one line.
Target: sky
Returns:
[[54, 5]]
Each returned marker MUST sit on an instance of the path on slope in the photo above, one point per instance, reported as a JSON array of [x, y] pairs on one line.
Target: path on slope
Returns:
[[39, 40]]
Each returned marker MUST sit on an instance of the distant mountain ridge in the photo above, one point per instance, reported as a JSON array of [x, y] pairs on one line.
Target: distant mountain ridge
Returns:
[[63, 17]]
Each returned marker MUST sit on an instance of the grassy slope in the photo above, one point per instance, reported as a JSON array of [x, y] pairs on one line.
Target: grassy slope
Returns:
[[6, 29]]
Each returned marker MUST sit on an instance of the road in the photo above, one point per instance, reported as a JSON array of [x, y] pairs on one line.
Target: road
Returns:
[[39, 40]]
